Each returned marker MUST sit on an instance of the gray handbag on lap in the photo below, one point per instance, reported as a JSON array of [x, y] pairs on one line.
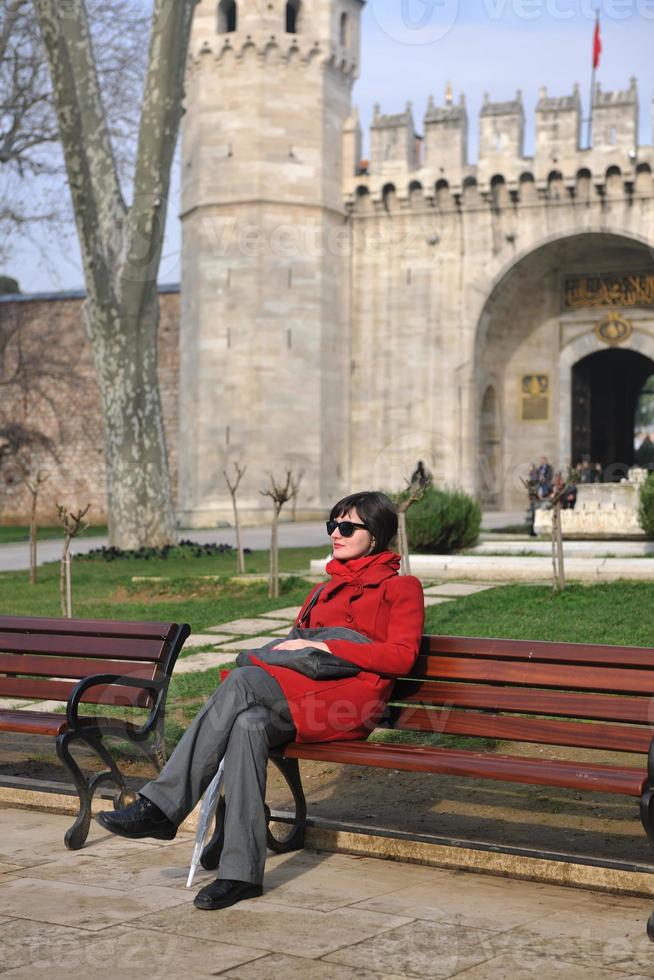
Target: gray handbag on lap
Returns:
[[316, 664]]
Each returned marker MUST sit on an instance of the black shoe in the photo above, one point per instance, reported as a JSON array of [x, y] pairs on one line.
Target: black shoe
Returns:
[[222, 893], [140, 819]]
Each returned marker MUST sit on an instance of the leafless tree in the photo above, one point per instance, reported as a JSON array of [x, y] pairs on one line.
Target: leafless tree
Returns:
[[34, 482], [233, 489], [554, 499], [279, 493], [31, 163], [421, 478], [121, 249], [73, 524]]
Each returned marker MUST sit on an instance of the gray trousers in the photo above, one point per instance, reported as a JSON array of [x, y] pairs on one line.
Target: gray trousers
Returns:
[[242, 720]]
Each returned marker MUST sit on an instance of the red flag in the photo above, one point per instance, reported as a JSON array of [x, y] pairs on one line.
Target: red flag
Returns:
[[597, 44]]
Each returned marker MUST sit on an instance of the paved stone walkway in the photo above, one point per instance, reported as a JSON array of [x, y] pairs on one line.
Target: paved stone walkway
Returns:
[[120, 908]]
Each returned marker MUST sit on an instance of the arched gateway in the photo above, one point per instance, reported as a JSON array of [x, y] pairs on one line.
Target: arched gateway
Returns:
[[567, 334]]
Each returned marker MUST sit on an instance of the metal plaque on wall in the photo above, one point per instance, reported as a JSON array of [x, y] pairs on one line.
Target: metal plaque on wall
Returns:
[[534, 397]]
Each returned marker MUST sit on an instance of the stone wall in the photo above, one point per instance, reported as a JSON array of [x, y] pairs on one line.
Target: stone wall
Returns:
[[61, 400]]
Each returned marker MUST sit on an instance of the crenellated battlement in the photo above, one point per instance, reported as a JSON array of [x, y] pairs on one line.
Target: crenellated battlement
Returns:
[[236, 48], [561, 171], [291, 31]]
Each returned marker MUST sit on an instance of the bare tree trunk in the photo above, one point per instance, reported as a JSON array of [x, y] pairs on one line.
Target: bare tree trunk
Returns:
[[555, 575], [233, 489], [72, 523], [559, 546], [33, 538], [240, 554], [64, 577], [403, 542], [273, 579], [279, 493], [138, 486]]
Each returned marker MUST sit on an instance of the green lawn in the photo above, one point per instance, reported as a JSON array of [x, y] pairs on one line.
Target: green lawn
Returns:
[[616, 612], [105, 590]]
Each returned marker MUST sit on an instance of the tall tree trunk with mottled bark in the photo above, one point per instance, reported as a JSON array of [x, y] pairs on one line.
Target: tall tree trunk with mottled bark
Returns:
[[121, 251]]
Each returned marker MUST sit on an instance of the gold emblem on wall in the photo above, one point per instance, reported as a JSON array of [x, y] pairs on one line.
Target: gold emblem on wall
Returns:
[[534, 397], [614, 329]]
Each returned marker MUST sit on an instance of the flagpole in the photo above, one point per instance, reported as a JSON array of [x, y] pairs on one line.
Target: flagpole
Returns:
[[597, 47], [590, 111]]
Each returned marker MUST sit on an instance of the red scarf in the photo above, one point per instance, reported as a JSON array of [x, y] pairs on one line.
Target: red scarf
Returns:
[[367, 570]]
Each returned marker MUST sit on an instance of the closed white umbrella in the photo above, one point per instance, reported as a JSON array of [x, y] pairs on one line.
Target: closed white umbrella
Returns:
[[207, 812]]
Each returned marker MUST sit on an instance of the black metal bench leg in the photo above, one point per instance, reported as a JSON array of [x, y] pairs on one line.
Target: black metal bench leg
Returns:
[[290, 770], [647, 813], [75, 836]]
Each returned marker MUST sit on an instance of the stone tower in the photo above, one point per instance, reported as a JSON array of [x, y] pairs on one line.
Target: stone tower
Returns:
[[265, 329]]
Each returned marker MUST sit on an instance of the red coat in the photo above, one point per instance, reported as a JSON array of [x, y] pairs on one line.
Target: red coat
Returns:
[[366, 595]]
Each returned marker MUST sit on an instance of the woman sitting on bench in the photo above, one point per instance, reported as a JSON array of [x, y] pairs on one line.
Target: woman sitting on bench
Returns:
[[379, 617]]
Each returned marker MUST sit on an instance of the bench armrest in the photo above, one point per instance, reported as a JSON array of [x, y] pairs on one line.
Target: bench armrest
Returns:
[[157, 688]]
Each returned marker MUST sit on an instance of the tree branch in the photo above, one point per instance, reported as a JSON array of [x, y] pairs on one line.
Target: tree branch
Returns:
[[159, 126], [83, 128]]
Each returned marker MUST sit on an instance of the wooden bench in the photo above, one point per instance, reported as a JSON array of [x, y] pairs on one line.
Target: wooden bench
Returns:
[[93, 661], [566, 694]]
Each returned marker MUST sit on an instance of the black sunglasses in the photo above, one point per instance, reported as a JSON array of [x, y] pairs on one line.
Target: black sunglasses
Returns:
[[346, 528]]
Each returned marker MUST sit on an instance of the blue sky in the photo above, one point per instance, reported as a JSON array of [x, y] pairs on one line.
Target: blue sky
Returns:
[[412, 48]]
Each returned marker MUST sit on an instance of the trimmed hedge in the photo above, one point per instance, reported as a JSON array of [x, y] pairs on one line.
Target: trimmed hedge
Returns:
[[443, 521], [646, 508]]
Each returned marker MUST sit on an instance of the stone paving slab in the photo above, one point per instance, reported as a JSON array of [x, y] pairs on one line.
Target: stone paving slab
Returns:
[[83, 906], [410, 950], [242, 627], [250, 642], [456, 590], [308, 933], [436, 600], [201, 661], [289, 612], [204, 639]]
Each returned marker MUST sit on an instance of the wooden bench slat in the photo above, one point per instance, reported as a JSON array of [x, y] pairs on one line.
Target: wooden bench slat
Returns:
[[32, 722], [625, 781], [619, 680], [90, 627], [617, 738], [82, 646], [570, 653], [47, 690], [72, 667], [595, 707]]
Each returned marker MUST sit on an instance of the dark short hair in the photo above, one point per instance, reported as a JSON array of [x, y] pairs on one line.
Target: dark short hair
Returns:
[[376, 511]]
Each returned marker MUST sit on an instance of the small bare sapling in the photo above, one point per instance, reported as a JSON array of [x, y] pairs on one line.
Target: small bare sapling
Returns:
[[279, 493], [73, 524], [233, 489], [421, 478]]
